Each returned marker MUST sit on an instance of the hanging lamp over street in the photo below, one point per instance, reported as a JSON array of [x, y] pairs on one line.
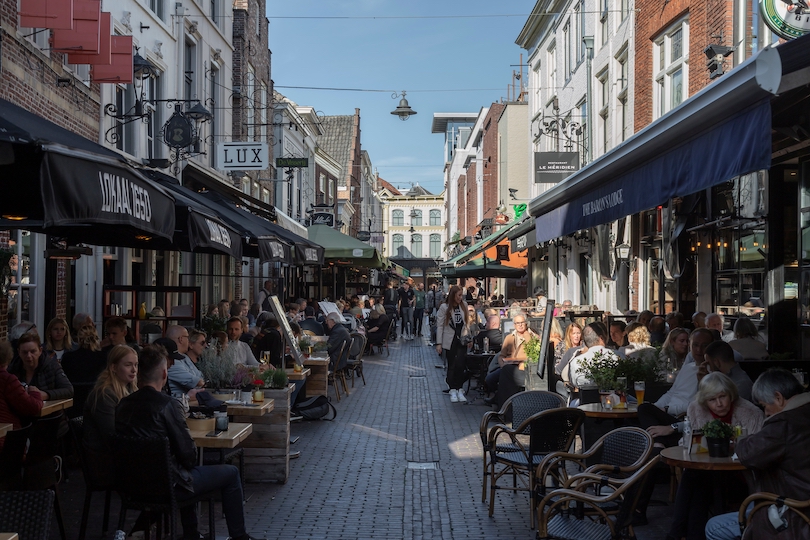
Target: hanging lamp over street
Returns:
[[403, 110]]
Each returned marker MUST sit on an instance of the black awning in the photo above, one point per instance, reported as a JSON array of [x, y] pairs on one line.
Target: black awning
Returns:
[[60, 183]]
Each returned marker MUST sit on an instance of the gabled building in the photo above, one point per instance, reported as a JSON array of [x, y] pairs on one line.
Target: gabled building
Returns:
[[341, 140]]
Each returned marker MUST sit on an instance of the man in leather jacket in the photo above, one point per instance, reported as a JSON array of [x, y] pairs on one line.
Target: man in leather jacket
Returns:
[[151, 413]]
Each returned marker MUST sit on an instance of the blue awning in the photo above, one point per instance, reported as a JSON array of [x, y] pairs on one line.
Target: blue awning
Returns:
[[721, 132]]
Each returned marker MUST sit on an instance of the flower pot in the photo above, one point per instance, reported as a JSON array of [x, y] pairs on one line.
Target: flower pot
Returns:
[[201, 424], [718, 447], [224, 395]]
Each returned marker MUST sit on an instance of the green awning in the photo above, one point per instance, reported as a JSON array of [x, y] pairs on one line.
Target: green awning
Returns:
[[343, 249], [476, 248]]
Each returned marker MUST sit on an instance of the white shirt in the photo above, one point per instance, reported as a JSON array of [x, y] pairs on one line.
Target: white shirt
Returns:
[[575, 375], [242, 353], [683, 389]]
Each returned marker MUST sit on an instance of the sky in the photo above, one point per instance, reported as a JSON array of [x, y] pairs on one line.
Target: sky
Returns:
[[449, 55]]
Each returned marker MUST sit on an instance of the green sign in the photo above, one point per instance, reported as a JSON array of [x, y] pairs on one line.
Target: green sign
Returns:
[[283, 162], [519, 209]]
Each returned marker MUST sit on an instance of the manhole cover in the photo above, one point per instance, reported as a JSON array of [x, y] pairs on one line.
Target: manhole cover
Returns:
[[422, 466]]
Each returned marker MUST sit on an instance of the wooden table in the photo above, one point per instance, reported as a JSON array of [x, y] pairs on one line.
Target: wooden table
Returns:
[[235, 434], [5, 428], [318, 380], [255, 409], [8, 536], [677, 456], [297, 376], [55, 405], [596, 410]]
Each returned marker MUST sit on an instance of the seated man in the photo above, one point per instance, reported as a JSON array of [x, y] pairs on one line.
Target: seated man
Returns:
[[338, 335], [151, 413], [492, 333], [719, 356], [513, 357], [774, 455], [595, 341], [243, 354]]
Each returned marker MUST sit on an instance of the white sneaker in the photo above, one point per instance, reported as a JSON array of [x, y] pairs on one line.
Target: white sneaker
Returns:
[[453, 396], [461, 397]]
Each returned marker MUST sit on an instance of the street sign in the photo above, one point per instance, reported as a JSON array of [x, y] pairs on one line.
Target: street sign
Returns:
[[283, 162], [363, 236], [242, 156]]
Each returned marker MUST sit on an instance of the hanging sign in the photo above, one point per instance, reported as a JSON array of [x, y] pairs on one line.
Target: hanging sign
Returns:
[[503, 252], [323, 218], [553, 167], [242, 156], [787, 19]]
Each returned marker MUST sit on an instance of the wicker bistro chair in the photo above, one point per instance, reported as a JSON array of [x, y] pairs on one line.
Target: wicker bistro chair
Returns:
[[576, 512], [797, 514], [616, 455], [548, 431], [515, 410], [355, 360], [337, 373], [28, 513], [144, 480], [95, 479]]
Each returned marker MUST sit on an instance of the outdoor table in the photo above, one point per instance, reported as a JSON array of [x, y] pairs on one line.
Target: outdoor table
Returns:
[[620, 417], [254, 409], [230, 438], [318, 380], [297, 375], [478, 364], [56, 405], [8, 536], [5, 428], [678, 456]]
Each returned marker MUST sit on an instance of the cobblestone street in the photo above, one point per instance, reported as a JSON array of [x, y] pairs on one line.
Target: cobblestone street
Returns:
[[400, 461]]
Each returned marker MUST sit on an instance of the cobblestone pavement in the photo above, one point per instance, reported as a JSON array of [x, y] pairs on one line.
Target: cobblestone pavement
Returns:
[[400, 461]]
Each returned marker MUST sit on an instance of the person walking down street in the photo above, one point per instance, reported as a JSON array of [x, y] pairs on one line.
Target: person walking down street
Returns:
[[452, 337], [406, 301], [418, 309]]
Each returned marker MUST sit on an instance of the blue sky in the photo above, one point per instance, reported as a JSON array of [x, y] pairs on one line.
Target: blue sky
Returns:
[[467, 58]]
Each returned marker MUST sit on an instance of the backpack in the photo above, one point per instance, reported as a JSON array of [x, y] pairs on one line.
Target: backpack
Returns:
[[315, 408], [266, 302]]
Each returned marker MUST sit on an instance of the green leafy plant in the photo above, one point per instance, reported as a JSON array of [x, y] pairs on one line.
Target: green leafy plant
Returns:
[[213, 323], [274, 378], [601, 369], [648, 367], [243, 377], [532, 349], [218, 370], [717, 429]]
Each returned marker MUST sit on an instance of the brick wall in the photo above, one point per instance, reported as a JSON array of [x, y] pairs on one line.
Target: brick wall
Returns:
[[471, 199], [490, 156], [462, 205]]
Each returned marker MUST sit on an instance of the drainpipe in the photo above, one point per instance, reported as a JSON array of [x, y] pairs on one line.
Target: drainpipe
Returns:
[[588, 41]]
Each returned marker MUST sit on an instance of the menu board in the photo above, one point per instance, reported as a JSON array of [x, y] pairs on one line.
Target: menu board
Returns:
[[286, 331]]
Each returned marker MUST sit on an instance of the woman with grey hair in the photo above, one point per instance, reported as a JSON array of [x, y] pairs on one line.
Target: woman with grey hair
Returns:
[[747, 341], [716, 399]]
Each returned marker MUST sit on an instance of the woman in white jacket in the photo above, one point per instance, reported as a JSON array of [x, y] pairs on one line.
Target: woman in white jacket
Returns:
[[452, 328]]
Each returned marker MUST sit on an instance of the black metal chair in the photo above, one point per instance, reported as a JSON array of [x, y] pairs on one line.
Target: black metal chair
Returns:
[[337, 373], [143, 479], [389, 335], [11, 458], [548, 431], [95, 478], [28, 513], [577, 512], [43, 464], [516, 410], [355, 360]]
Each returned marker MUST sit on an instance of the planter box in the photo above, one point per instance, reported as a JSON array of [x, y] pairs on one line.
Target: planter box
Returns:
[[267, 450]]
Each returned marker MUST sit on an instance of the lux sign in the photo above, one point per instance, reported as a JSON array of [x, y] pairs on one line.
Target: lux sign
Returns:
[[242, 156]]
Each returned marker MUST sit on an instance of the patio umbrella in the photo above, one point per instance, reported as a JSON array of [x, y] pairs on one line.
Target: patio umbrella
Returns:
[[484, 268]]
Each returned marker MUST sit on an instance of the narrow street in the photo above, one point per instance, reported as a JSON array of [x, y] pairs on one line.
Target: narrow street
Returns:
[[400, 461]]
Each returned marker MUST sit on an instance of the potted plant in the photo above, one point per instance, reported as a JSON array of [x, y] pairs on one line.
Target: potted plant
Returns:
[[718, 438], [218, 372], [601, 370], [305, 345]]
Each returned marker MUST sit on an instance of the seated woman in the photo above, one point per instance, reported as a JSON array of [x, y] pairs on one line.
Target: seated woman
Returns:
[[675, 348], [378, 323], [40, 374], [638, 346], [118, 380], [16, 402], [747, 341], [572, 344], [511, 361], [717, 398], [57, 339], [83, 365]]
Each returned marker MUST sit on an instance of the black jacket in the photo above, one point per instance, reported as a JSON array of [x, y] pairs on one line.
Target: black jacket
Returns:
[[149, 413], [48, 377]]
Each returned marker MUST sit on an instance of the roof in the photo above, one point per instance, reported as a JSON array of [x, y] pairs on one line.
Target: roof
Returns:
[[440, 120], [417, 191], [386, 185], [337, 138]]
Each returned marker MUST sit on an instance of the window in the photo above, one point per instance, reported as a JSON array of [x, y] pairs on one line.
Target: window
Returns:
[[125, 133], [321, 188], [213, 95], [604, 21], [154, 92], [583, 118], [329, 195], [567, 53], [625, 8], [671, 69], [251, 106], [579, 27], [80, 71], [552, 69], [263, 129], [435, 246], [624, 112], [435, 217], [215, 11], [38, 36], [604, 91], [259, 19], [398, 218], [416, 218], [157, 8], [396, 245], [189, 70], [416, 245]]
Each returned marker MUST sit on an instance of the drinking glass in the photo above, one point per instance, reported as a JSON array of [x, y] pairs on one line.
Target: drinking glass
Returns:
[[639, 387]]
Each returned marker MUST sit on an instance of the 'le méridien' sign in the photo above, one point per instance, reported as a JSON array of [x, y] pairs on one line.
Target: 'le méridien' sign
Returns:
[[243, 156]]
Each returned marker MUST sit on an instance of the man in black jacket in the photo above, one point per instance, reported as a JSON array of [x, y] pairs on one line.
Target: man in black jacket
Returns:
[[151, 413]]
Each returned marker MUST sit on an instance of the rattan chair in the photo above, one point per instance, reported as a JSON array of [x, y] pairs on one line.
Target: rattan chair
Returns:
[[144, 479], [337, 373], [94, 478], [28, 513], [515, 410], [797, 511], [355, 360], [616, 455], [575, 513], [548, 431]]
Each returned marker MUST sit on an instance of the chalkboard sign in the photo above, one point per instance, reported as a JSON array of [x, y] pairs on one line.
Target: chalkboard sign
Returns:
[[286, 331]]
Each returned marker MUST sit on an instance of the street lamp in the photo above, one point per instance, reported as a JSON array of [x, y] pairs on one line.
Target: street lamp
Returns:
[[623, 252], [403, 110]]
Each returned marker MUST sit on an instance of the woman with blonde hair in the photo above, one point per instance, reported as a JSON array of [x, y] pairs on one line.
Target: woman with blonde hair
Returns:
[[452, 336], [638, 342], [118, 380], [83, 365], [57, 339], [675, 349]]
